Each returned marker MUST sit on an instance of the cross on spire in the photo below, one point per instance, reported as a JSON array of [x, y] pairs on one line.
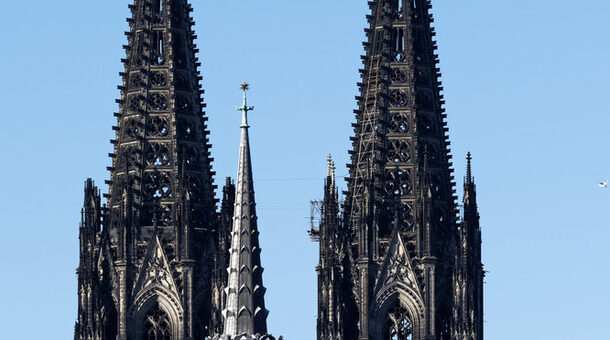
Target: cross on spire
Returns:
[[244, 108]]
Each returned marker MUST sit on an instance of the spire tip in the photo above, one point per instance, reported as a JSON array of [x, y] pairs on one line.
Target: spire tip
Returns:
[[331, 170], [244, 108], [468, 167]]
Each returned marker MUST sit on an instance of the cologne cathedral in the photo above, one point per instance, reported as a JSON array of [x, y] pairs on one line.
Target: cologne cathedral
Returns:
[[159, 261]]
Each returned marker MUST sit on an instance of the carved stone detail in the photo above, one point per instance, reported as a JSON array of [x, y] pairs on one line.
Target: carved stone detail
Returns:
[[399, 98], [157, 126], [157, 154]]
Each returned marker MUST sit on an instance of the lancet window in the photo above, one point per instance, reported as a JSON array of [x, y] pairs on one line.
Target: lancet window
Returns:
[[400, 9], [158, 7], [399, 325], [156, 325], [399, 44], [159, 51]]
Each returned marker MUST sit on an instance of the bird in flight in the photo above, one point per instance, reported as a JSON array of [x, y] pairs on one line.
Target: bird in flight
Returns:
[[603, 184]]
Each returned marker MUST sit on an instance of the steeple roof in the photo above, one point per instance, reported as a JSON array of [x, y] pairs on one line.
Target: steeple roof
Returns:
[[400, 118], [161, 147], [470, 192], [245, 306], [469, 178]]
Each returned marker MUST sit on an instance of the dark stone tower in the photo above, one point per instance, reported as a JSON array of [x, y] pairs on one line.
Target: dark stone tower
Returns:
[[469, 274], [388, 262], [148, 256], [336, 319], [221, 263]]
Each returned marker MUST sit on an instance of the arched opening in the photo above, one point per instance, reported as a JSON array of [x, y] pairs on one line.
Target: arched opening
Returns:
[[399, 325], [109, 322], [156, 324]]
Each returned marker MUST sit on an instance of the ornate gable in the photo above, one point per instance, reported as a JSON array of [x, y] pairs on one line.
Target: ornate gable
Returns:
[[397, 267], [155, 270]]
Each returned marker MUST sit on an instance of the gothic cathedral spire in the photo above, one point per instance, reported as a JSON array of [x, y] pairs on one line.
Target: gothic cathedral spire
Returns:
[[245, 311], [399, 227], [147, 273], [469, 273]]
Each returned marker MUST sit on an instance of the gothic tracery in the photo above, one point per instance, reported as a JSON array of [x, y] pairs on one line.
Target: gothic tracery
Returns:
[[398, 324], [156, 325]]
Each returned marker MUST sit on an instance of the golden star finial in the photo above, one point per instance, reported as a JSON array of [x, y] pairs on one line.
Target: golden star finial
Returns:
[[245, 86]]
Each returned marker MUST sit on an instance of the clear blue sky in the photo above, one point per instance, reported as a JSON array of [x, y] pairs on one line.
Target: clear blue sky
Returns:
[[526, 90]]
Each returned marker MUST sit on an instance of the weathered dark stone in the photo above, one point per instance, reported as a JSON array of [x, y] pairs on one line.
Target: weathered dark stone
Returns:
[[395, 263], [154, 251]]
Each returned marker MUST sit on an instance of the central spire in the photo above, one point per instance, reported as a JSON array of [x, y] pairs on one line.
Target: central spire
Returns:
[[245, 311]]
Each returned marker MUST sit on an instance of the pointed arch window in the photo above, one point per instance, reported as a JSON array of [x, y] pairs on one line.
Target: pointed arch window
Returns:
[[158, 11], [158, 48], [156, 324], [399, 37], [158, 6], [398, 5], [399, 325]]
